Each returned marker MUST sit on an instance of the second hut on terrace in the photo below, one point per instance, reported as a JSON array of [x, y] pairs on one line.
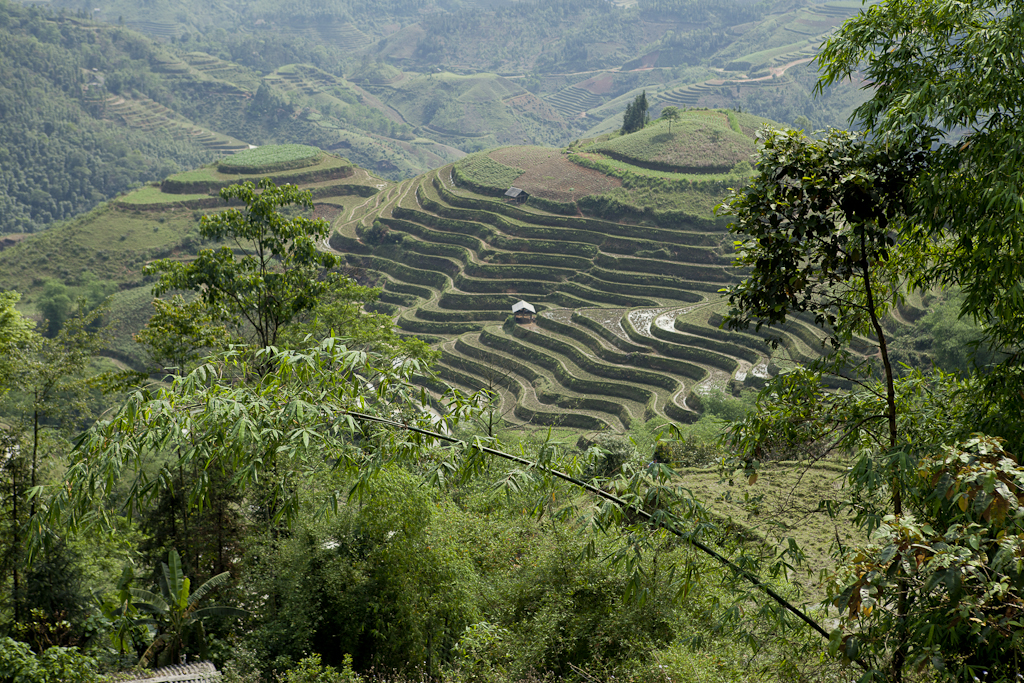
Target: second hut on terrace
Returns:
[[523, 312], [516, 195]]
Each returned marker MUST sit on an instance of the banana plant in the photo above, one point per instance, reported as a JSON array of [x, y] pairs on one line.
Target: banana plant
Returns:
[[177, 614], [125, 622]]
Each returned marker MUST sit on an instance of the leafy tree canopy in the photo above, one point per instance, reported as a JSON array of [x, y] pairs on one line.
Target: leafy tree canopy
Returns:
[[947, 88], [274, 271], [16, 331], [670, 114], [839, 228]]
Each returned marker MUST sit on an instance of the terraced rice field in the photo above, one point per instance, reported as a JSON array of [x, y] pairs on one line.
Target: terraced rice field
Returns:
[[146, 114], [572, 101], [627, 323]]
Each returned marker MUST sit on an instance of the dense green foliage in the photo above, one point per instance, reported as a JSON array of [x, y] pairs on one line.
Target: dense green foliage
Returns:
[[280, 273], [177, 606], [57, 158], [972, 179], [54, 665], [636, 116], [299, 472], [842, 228]]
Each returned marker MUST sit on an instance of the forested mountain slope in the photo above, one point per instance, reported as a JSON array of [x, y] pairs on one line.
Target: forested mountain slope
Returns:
[[91, 109], [58, 157]]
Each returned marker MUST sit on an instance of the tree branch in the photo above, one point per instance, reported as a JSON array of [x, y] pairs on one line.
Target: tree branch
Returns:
[[648, 517]]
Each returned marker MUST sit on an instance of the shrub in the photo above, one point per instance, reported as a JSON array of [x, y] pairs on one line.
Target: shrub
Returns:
[[310, 670], [18, 664], [381, 580]]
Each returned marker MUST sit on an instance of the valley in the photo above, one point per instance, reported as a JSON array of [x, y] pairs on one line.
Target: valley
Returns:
[[622, 263], [468, 341], [397, 101]]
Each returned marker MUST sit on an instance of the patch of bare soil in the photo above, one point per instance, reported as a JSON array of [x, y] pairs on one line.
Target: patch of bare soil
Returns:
[[550, 175], [325, 211], [602, 84]]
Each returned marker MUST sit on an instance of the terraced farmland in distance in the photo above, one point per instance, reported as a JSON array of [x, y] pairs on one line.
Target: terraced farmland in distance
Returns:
[[627, 313], [145, 114], [115, 241]]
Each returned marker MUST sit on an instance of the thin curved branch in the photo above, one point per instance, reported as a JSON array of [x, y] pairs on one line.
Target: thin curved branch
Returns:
[[648, 517]]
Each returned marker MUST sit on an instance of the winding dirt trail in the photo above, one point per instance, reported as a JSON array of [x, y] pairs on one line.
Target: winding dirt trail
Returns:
[[772, 73]]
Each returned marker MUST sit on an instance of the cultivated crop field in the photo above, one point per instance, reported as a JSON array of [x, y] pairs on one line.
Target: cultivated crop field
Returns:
[[271, 158], [550, 174], [483, 170], [215, 176], [152, 194], [619, 167], [761, 57], [628, 312]]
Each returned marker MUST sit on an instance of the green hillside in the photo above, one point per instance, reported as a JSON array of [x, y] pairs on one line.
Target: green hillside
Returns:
[[627, 296], [92, 110], [395, 90], [112, 243], [623, 263], [474, 111], [700, 142], [64, 145]]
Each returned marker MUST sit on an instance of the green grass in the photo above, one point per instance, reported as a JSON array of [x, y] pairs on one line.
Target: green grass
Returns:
[[697, 143], [619, 168], [781, 504], [151, 194], [206, 173], [479, 169], [113, 243], [212, 176], [271, 158], [693, 202]]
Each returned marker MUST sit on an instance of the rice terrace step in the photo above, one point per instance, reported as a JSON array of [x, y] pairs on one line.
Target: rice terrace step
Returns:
[[627, 298]]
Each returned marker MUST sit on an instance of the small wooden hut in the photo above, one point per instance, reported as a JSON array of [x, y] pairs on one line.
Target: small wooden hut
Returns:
[[517, 195], [523, 312]]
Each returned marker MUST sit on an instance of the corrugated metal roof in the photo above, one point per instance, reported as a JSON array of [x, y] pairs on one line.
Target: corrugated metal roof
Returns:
[[181, 673], [523, 306]]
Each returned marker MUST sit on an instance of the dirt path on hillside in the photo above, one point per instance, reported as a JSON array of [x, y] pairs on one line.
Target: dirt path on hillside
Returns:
[[772, 71], [372, 199]]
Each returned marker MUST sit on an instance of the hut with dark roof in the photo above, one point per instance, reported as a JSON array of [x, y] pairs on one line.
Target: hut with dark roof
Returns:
[[517, 195]]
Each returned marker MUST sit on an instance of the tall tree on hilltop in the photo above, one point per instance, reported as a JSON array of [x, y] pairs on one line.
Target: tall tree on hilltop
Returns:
[[637, 114], [670, 114]]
